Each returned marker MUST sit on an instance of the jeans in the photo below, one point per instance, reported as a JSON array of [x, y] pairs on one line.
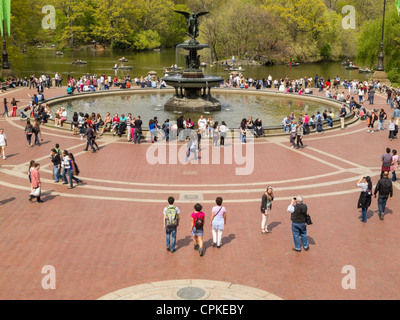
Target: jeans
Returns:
[[137, 136], [171, 231], [381, 125], [300, 230], [57, 174], [29, 138], [319, 128], [89, 143], [195, 154], [371, 100], [364, 214], [382, 204], [394, 178], [37, 139], [71, 177]]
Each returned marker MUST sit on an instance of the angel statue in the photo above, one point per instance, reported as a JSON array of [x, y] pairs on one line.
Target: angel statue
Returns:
[[193, 22]]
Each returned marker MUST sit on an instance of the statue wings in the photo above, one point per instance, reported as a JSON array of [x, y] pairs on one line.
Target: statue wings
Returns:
[[188, 14], [201, 14]]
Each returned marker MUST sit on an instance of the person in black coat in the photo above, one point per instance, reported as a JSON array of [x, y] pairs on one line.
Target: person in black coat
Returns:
[[364, 201]]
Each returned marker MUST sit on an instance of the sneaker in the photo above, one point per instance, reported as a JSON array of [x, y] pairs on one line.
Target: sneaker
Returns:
[[294, 249], [4, 158], [306, 249], [40, 201], [168, 249]]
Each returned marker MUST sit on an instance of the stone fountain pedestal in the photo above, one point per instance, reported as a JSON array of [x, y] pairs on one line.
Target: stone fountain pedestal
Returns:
[[193, 88]]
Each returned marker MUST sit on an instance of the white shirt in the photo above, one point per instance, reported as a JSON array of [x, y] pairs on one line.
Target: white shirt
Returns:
[[202, 123], [3, 139]]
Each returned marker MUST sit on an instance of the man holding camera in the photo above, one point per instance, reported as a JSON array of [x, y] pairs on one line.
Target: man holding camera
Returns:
[[298, 211]]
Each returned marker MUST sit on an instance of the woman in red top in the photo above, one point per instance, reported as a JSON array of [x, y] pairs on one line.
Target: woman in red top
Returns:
[[197, 228], [115, 124]]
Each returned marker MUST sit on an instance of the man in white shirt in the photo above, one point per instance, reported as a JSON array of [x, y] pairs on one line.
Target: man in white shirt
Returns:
[[3, 143], [202, 123]]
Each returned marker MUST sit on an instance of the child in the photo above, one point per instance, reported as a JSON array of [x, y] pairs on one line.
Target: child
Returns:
[[197, 228]]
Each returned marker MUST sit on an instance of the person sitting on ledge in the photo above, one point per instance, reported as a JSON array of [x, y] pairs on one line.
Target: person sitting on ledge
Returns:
[[69, 90], [107, 124]]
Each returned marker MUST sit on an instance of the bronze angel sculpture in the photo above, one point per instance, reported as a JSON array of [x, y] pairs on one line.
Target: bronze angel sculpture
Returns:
[[193, 22]]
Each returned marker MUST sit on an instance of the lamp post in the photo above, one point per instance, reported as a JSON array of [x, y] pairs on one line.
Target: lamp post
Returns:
[[5, 64], [380, 66]]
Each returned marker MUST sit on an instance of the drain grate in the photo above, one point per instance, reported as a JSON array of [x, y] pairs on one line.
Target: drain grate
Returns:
[[191, 197], [191, 293]]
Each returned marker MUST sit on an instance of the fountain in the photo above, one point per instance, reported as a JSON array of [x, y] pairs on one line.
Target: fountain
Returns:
[[193, 88]]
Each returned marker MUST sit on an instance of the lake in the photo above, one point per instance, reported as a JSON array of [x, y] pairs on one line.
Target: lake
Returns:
[[47, 62]]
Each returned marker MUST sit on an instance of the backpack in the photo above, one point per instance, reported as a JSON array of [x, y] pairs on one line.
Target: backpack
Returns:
[[199, 222], [172, 216]]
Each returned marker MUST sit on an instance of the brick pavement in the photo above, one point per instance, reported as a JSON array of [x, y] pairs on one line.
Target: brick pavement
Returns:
[[108, 235]]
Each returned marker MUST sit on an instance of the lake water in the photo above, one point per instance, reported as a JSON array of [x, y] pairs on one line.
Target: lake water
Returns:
[[98, 62]]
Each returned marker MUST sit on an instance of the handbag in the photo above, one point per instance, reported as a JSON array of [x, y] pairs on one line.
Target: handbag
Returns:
[[36, 192], [308, 220]]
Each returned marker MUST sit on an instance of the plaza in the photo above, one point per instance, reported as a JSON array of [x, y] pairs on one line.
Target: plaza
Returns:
[[105, 238]]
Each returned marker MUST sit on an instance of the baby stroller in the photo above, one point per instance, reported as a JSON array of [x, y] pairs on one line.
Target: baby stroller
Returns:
[[22, 115]]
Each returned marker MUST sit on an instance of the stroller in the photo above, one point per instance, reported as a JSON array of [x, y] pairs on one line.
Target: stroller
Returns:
[[22, 114]]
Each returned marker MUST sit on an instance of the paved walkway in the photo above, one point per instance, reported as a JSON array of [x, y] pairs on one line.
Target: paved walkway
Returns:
[[107, 234]]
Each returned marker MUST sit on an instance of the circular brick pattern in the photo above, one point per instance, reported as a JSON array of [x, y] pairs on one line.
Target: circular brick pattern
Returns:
[[190, 290]]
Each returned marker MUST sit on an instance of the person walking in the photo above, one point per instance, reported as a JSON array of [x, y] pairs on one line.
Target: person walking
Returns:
[[385, 189], [37, 132], [364, 201], [192, 147], [5, 108], [36, 185], [266, 206], [386, 160], [89, 134], [56, 163], [171, 222], [73, 171], [218, 222], [299, 135], [394, 165], [197, 228], [299, 212], [29, 132], [3, 144]]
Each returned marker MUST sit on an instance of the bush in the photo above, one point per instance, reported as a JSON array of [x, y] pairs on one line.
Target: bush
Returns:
[[394, 76]]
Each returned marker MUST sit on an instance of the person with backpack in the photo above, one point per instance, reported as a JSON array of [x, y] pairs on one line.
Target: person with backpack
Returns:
[[197, 228], [218, 221], [171, 222]]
